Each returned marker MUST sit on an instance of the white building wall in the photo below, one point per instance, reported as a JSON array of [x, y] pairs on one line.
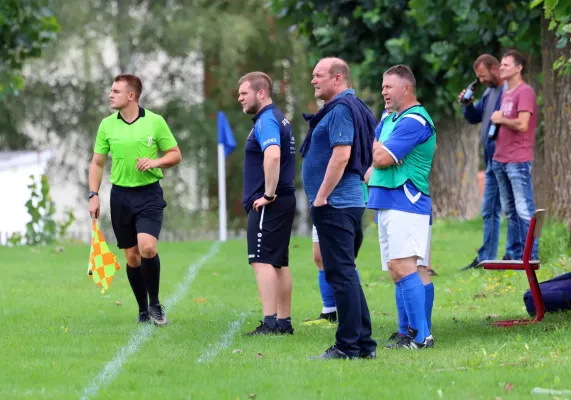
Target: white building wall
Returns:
[[15, 171]]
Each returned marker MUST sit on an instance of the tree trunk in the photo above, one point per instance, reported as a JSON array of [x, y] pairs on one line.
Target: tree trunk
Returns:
[[557, 126], [531, 76], [454, 177]]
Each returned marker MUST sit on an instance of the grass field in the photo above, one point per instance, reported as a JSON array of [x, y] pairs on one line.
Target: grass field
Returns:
[[62, 339]]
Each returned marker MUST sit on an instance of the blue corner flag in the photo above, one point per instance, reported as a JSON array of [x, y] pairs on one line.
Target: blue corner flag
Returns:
[[225, 135]]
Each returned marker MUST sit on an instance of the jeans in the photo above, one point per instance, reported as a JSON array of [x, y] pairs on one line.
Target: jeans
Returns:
[[516, 195], [338, 230], [491, 213]]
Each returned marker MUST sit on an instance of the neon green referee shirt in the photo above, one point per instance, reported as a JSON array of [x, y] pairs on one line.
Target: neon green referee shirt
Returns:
[[141, 138]]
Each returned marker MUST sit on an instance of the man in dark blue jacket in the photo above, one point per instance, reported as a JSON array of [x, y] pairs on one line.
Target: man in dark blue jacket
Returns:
[[487, 69], [337, 152]]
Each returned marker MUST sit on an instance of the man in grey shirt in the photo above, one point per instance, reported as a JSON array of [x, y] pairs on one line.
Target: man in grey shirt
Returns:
[[487, 69]]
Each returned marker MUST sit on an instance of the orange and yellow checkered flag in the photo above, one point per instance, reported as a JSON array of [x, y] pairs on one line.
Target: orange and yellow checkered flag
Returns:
[[102, 262]]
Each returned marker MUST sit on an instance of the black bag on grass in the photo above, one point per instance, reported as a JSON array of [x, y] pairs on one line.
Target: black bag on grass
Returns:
[[556, 294]]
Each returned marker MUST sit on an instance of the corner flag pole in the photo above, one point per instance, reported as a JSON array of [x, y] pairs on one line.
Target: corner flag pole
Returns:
[[226, 145], [223, 234]]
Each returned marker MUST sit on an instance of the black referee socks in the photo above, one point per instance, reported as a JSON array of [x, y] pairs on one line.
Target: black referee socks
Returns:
[[151, 269], [138, 285]]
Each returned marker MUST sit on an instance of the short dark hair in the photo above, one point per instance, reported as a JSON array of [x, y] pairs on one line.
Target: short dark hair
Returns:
[[134, 83], [258, 81], [402, 71], [519, 59], [488, 60]]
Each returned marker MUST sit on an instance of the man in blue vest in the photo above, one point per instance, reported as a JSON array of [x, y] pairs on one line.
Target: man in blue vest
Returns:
[[399, 190], [487, 69], [337, 152]]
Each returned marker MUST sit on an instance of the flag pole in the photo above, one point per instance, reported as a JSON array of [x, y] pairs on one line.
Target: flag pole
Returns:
[[89, 272], [223, 234]]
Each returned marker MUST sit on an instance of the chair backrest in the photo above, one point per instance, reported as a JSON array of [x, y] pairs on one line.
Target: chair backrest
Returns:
[[539, 216], [534, 232]]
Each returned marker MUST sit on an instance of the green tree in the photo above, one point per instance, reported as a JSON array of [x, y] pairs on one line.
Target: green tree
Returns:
[[556, 57], [26, 27], [558, 14]]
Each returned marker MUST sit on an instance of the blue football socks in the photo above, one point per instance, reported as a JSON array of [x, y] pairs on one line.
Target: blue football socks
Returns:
[[401, 310], [414, 297], [327, 295], [429, 302]]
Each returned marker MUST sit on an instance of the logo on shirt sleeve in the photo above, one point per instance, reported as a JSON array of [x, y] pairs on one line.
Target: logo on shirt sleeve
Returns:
[[271, 140]]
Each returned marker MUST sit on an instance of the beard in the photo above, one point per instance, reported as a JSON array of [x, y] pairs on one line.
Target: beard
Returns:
[[253, 109], [494, 82]]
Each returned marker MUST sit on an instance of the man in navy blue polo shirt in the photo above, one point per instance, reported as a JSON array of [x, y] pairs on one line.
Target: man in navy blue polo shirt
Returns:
[[337, 152], [269, 200]]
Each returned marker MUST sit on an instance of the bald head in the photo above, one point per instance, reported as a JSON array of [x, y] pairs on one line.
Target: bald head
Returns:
[[338, 67], [331, 76]]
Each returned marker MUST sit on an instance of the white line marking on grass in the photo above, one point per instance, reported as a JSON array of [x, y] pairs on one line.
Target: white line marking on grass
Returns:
[[141, 335], [225, 340], [190, 276]]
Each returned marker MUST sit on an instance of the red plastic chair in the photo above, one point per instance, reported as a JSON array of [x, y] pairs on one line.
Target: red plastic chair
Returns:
[[529, 266]]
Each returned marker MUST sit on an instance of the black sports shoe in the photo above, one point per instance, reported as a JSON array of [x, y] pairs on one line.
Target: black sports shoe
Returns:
[[472, 265], [286, 330], [324, 319], [368, 355], [158, 315], [395, 337], [408, 342], [332, 353], [143, 317], [429, 342], [263, 329]]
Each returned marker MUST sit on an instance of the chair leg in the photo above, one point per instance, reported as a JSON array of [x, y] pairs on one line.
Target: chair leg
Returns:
[[536, 295], [537, 301]]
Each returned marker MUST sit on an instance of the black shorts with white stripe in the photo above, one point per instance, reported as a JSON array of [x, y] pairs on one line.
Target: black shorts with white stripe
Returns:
[[269, 232]]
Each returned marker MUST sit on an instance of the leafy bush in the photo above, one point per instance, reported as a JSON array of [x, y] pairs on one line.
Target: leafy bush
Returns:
[[42, 229]]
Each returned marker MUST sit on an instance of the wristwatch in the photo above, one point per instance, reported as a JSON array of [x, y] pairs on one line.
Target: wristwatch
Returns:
[[91, 194], [268, 198]]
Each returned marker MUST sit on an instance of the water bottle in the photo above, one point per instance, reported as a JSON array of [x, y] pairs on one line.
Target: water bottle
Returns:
[[469, 92], [492, 131]]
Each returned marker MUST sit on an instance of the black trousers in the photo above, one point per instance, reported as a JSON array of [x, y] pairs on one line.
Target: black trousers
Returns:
[[340, 237]]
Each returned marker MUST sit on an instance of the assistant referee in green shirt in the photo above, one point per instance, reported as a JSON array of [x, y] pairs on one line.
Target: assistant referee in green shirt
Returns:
[[134, 136]]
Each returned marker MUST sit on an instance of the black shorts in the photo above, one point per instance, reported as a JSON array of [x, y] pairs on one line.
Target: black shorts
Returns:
[[136, 210], [269, 232]]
